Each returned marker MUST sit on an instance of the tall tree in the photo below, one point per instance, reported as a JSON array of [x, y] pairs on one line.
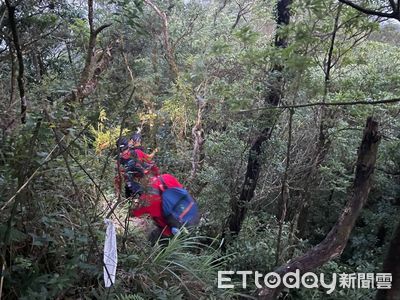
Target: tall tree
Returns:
[[273, 97], [17, 46]]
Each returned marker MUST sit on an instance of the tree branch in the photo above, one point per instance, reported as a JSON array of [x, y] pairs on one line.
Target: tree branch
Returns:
[[198, 139], [12, 77], [273, 97], [348, 103], [90, 16], [101, 28], [329, 64], [219, 10], [369, 11]]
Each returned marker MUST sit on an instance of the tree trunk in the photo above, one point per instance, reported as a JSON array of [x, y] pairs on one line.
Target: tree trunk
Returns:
[[273, 97], [95, 62], [20, 78], [239, 207], [13, 77], [392, 265], [334, 243]]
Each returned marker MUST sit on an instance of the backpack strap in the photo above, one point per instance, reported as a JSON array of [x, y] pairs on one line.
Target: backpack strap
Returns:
[[187, 209], [164, 185]]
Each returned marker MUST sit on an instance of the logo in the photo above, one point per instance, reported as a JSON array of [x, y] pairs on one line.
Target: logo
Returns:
[[309, 280]]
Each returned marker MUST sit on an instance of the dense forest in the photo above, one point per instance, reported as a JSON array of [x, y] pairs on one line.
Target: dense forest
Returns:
[[281, 118]]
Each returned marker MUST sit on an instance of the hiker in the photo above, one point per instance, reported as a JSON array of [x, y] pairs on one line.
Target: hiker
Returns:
[[160, 207], [129, 168], [133, 164], [135, 143], [152, 205]]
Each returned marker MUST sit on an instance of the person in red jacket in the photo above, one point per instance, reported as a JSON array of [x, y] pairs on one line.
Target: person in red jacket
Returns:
[[152, 205], [135, 143], [132, 165], [129, 169]]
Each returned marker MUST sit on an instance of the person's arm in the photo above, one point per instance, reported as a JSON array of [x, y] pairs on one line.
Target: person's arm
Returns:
[[151, 155], [138, 212], [150, 204], [144, 156]]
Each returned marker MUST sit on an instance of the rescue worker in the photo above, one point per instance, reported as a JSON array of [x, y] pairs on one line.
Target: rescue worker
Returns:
[[151, 202]]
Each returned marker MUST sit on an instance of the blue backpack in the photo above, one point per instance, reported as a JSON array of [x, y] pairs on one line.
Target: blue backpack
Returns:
[[179, 208]]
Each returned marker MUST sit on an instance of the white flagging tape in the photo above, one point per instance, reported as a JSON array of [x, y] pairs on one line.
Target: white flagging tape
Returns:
[[110, 254]]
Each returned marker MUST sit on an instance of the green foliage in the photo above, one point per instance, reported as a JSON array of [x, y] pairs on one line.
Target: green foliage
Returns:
[[80, 29], [246, 35], [128, 13], [129, 297], [184, 267], [105, 138]]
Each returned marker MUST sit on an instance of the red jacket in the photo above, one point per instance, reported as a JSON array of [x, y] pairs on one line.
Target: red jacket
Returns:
[[152, 201], [143, 157], [123, 159], [146, 160]]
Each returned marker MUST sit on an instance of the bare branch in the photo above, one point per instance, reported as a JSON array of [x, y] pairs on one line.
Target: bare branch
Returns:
[[242, 12], [101, 28], [364, 102], [329, 64], [3, 14], [369, 11], [358, 40], [219, 10]]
